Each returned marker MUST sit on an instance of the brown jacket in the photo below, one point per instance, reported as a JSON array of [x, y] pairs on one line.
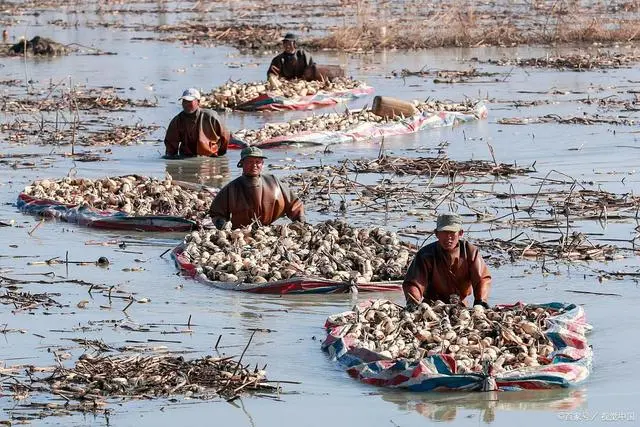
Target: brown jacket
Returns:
[[264, 198], [434, 274], [196, 134], [292, 65]]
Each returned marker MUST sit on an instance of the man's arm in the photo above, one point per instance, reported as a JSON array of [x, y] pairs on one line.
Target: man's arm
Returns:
[[416, 279], [221, 132], [172, 138], [274, 67], [480, 278], [293, 206], [219, 210], [308, 59]]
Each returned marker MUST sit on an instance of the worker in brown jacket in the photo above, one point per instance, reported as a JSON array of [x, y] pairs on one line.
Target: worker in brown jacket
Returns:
[[254, 196], [292, 62], [195, 131], [446, 267]]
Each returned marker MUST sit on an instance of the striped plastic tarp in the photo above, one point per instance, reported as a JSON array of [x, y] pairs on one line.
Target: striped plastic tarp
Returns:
[[105, 219], [296, 285], [568, 364], [268, 102], [371, 130]]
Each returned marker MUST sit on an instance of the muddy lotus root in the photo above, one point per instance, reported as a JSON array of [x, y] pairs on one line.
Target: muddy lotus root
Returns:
[[338, 122], [331, 250], [134, 195], [506, 338], [232, 94]]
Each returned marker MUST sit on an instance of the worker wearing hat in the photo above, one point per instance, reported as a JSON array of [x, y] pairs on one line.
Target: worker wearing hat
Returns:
[[292, 62], [449, 266], [195, 131], [254, 196]]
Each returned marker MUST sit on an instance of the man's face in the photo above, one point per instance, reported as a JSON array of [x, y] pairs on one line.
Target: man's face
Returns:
[[449, 239], [289, 46], [190, 106], [252, 166]]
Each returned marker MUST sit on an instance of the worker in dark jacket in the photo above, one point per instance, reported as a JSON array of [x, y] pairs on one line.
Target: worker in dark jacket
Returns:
[[195, 131], [292, 62], [449, 266], [254, 196]]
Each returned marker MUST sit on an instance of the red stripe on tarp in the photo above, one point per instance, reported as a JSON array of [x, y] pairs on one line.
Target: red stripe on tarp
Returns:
[[281, 287]]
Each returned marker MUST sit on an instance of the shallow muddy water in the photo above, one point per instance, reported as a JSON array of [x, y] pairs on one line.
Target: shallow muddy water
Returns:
[[603, 154]]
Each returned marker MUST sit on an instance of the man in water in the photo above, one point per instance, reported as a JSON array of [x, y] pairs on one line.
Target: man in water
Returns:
[[449, 266], [254, 196], [292, 62], [195, 131]]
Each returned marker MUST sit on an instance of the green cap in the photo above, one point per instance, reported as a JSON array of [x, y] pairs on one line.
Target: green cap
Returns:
[[250, 152], [449, 222]]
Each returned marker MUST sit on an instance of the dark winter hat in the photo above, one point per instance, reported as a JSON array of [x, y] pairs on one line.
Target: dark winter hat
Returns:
[[290, 37], [250, 152], [449, 222]]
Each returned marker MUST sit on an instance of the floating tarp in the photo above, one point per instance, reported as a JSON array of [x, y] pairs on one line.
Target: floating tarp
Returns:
[[372, 130], [268, 102], [570, 362], [294, 285], [105, 219]]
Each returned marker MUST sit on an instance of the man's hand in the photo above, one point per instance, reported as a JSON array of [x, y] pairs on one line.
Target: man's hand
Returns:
[[411, 306], [480, 302], [298, 226]]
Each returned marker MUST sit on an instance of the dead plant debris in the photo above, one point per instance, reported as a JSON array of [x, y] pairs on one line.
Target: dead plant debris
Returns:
[[576, 62], [585, 119]]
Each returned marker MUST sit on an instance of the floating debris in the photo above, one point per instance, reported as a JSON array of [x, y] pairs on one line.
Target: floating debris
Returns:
[[575, 247], [445, 76], [585, 119], [133, 194], [120, 135], [576, 62], [28, 301], [428, 165], [508, 338], [243, 36], [232, 95], [77, 98], [97, 377], [332, 250], [40, 46]]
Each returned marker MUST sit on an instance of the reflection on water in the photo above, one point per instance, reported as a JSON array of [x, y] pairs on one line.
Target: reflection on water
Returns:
[[209, 171], [445, 406]]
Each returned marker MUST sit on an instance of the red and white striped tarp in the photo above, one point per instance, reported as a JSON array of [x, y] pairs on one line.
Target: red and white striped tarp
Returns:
[[294, 285], [269, 102], [372, 130], [106, 219]]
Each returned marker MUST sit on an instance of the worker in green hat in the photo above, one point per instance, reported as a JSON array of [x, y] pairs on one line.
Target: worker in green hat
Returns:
[[254, 196], [448, 266], [292, 62]]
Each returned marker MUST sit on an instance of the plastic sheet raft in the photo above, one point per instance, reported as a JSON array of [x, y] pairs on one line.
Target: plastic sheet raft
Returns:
[[570, 362], [294, 285], [368, 131], [105, 219], [268, 102]]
